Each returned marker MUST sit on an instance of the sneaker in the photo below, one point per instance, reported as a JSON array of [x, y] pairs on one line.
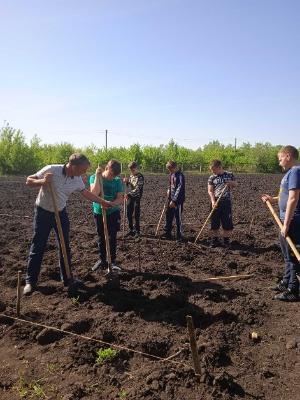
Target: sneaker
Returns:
[[28, 289], [288, 295], [280, 287], [180, 239], [115, 268], [131, 233], [99, 264]]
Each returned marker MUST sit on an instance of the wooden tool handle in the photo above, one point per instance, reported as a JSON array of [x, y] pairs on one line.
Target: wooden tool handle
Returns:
[[104, 217], [161, 215], [279, 223], [124, 210], [60, 233], [210, 214]]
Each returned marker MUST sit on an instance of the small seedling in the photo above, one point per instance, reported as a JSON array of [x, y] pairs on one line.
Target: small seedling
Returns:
[[21, 388], [75, 301], [122, 394], [105, 355], [37, 390], [32, 389], [52, 367]]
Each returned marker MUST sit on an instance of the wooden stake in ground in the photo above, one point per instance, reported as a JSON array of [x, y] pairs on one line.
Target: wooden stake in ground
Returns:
[[161, 215], [211, 213], [193, 344], [139, 253], [279, 223], [104, 217], [124, 210], [250, 226], [19, 293], [60, 234]]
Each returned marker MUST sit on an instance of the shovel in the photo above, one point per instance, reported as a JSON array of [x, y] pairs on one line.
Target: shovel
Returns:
[[73, 284]]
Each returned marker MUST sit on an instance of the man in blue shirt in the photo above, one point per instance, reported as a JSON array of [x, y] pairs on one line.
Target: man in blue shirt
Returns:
[[289, 209]]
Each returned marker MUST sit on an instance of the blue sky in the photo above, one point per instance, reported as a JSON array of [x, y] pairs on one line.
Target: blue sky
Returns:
[[151, 70]]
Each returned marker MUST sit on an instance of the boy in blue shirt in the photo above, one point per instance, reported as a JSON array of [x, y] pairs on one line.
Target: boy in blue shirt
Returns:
[[289, 210], [113, 192]]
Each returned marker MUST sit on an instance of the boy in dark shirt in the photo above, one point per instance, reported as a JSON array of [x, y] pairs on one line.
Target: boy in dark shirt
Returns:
[[176, 198], [135, 183], [222, 214], [289, 209]]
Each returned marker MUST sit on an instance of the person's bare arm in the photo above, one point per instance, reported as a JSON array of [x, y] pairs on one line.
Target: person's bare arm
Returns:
[[92, 197], [95, 187], [211, 193], [34, 181], [290, 209]]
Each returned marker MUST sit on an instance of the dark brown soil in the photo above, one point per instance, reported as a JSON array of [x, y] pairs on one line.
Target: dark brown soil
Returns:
[[145, 308]]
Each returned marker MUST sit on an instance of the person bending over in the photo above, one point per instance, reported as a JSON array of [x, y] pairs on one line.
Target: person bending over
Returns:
[[65, 179]]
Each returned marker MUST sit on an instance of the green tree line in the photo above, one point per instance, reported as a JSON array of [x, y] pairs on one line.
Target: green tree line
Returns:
[[19, 158]]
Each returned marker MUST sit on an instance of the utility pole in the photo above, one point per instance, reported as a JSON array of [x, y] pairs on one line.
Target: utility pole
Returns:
[[105, 139], [234, 144]]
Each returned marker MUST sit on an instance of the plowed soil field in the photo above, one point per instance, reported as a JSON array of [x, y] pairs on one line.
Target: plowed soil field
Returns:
[[144, 309]]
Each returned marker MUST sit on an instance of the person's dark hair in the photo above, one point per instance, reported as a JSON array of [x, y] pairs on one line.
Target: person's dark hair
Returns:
[[132, 164], [115, 166], [215, 164], [78, 159], [291, 150], [171, 164]]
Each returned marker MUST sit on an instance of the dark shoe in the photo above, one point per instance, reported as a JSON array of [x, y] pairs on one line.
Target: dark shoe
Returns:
[[65, 282], [28, 289], [288, 295], [130, 234], [215, 243], [166, 236], [280, 287], [226, 242], [99, 264]]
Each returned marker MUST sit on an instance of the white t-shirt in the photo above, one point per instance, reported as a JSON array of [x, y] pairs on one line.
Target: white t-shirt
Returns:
[[63, 186]]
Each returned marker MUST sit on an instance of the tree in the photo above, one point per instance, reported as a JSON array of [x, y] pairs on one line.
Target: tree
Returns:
[[16, 156]]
